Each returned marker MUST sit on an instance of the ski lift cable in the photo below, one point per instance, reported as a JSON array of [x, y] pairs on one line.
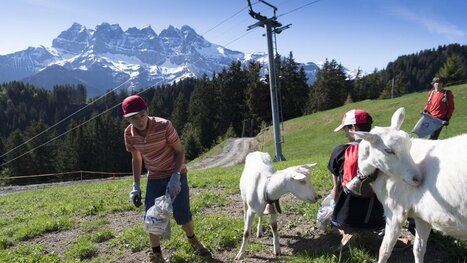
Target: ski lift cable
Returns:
[[56, 137], [66, 132], [300, 7], [241, 36], [79, 110], [103, 96], [64, 119], [223, 21]]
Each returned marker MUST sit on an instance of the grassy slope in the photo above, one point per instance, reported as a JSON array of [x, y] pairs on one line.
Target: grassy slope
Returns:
[[73, 208], [312, 136]]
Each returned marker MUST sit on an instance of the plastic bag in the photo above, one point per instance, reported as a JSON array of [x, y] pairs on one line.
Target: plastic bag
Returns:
[[157, 218], [426, 125], [325, 212]]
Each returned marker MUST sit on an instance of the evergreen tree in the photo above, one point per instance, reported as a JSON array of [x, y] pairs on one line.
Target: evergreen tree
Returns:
[[258, 100], [395, 88], [159, 106], [109, 143], [179, 115], [453, 69], [231, 84], [204, 111], [14, 161], [68, 153], [293, 88], [43, 148], [90, 158], [2, 151], [80, 95], [191, 141], [330, 89], [359, 87], [374, 85]]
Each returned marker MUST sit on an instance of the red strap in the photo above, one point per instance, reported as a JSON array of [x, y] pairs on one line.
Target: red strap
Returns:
[[350, 163]]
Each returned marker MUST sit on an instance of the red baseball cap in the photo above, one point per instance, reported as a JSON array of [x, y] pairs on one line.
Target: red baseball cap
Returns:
[[133, 105], [355, 116]]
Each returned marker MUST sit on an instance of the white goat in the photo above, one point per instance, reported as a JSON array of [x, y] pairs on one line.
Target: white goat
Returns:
[[260, 184], [418, 178]]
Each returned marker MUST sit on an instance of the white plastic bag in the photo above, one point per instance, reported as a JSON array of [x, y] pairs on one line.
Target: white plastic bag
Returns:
[[157, 219], [426, 125], [325, 212]]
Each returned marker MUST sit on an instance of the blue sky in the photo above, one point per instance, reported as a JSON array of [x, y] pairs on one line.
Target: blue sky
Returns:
[[364, 34]]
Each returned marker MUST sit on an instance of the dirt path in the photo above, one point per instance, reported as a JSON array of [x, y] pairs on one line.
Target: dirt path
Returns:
[[297, 236], [234, 152]]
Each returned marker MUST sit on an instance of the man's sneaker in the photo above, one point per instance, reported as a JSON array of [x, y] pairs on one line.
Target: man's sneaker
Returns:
[[196, 244], [155, 257]]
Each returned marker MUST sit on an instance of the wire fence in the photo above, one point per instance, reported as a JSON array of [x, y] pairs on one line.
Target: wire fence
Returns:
[[60, 177]]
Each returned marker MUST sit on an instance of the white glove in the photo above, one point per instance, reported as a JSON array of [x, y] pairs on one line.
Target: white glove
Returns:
[[135, 194], [174, 186]]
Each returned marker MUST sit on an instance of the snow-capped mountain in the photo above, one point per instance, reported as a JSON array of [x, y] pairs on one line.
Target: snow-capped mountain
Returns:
[[108, 57]]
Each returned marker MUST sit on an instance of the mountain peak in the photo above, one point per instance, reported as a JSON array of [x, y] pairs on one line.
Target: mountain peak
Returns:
[[106, 56], [108, 28], [145, 32], [170, 32], [73, 40], [190, 34]]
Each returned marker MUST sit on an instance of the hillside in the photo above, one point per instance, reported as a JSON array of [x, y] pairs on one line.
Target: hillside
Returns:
[[312, 136], [95, 222]]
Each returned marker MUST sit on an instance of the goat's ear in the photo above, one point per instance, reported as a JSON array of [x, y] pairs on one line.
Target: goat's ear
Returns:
[[398, 118], [369, 137], [309, 165], [299, 177], [364, 150]]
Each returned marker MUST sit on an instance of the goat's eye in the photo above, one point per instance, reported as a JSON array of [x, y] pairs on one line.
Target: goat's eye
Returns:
[[390, 151]]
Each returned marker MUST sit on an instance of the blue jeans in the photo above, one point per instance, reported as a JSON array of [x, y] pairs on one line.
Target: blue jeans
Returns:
[[181, 204]]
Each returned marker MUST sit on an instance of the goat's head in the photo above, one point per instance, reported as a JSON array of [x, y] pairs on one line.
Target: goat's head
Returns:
[[388, 149], [299, 183]]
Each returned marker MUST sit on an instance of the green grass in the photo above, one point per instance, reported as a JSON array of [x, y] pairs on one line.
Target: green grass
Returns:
[[134, 238], [83, 208], [28, 253], [83, 249]]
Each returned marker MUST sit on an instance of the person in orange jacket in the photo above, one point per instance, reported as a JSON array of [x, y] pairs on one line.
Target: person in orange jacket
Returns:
[[440, 105]]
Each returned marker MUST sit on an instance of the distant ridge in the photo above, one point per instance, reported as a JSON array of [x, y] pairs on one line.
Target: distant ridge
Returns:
[[105, 57]]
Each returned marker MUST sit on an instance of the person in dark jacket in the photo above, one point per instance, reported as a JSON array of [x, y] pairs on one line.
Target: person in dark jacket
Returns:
[[352, 213]]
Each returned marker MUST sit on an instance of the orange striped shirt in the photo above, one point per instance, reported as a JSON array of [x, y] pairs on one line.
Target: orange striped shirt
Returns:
[[158, 156]]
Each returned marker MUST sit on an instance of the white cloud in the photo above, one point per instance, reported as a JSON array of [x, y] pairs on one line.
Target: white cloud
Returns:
[[433, 25]]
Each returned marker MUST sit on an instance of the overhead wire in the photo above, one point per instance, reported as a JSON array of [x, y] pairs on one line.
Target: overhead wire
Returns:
[[241, 36], [64, 119], [225, 20], [300, 7], [103, 96], [67, 131]]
